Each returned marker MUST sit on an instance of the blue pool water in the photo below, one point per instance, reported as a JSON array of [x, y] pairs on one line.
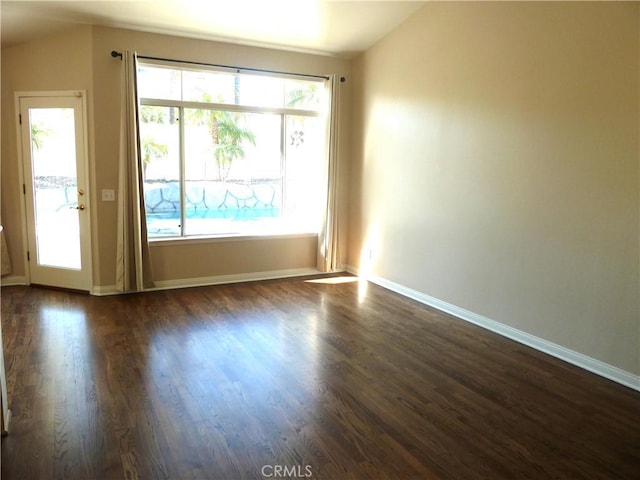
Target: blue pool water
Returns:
[[208, 221], [239, 214]]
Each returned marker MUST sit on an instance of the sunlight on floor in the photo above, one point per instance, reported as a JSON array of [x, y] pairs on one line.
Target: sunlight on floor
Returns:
[[334, 280], [361, 281]]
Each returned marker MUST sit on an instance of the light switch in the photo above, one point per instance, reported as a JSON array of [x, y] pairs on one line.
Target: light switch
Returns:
[[108, 195]]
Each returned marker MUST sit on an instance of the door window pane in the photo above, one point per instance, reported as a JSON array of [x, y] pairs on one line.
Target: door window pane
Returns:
[[55, 185]]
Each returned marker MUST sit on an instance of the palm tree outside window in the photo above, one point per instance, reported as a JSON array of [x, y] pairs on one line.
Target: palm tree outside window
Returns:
[[229, 153]]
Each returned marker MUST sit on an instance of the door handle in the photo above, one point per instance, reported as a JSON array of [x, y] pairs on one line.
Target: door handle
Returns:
[[79, 207]]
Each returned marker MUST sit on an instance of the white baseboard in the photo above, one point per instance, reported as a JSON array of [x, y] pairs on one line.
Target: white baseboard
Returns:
[[12, 280], [605, 370], [104, 290]]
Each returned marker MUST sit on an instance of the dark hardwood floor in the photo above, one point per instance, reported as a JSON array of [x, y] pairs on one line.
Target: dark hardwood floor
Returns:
[[294, 379]]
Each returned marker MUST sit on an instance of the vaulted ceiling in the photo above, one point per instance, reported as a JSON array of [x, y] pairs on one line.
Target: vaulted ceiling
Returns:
[[340, 28]]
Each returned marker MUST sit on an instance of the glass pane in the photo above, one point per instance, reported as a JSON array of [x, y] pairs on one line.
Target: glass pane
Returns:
[[233, 89], [212, 87], [304, 94], [305, 172], [158, 82], [253, 90], [160, 150], [259, 91], [53, 155], [232, 171]]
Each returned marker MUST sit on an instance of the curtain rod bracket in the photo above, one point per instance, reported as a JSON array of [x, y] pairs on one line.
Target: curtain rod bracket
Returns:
[[115, 54]]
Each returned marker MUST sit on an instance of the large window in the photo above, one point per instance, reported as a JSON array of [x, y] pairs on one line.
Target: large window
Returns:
[[231, 153]]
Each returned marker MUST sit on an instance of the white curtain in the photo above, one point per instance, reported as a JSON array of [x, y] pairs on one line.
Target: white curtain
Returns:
[[328, 252], [133, 270]]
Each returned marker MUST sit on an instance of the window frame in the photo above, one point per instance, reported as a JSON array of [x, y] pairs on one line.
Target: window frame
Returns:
[[282, 112]]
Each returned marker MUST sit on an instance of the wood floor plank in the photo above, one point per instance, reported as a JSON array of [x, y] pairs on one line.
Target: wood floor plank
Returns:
[[294, 379]]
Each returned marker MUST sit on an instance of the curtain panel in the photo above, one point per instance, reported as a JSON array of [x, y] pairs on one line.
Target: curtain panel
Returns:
[[133, 268], [328, 245]]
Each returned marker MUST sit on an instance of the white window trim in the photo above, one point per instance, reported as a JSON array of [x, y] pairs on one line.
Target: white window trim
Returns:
[[181, 104]]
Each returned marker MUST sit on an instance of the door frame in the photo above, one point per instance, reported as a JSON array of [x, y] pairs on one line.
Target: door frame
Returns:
[[82, 94]]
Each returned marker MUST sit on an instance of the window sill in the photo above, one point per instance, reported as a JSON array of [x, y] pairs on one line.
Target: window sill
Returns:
[[156, 242]]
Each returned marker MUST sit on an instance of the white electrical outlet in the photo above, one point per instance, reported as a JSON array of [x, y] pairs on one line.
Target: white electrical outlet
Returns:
[[108, 195]]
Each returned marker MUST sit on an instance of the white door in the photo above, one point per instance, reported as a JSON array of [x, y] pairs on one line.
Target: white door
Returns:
[[54, 157]]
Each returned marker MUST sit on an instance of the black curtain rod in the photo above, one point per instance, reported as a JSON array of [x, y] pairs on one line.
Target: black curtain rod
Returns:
[[115, 54]]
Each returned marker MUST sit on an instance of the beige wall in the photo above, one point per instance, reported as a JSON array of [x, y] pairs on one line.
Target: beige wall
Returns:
[[80, 59], [233, 257], [59, 62], [496, 167]]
